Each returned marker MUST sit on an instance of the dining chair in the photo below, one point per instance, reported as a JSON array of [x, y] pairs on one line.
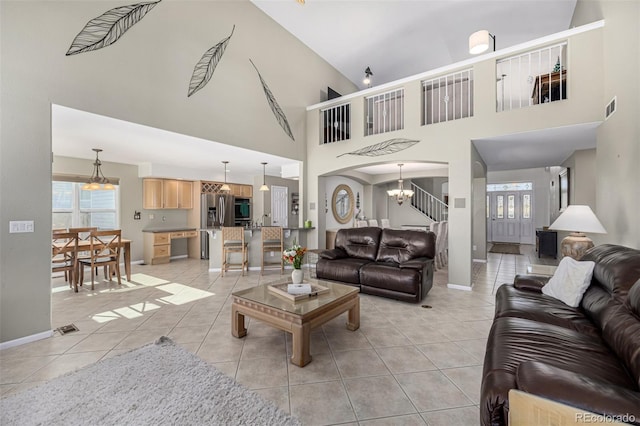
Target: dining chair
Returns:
[[384, 223], [64, 247], [83, 235], [232, 243], [361, 224], [104, 250], [373, 222], [272, 241]]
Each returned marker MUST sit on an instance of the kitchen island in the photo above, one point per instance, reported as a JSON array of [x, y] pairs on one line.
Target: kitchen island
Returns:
[[252, 236]]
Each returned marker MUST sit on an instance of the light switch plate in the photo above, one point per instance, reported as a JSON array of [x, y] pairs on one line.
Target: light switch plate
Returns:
[[20, 226]]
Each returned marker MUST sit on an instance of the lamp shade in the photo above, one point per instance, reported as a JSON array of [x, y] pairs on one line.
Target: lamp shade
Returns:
[[578, 219], [479, 42]]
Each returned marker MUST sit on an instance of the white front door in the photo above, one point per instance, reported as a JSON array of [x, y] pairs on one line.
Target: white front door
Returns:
[[527, 234], [505, 217], [279, 206]]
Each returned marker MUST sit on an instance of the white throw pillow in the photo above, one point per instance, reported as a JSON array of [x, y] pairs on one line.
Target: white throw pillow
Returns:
[[570, 281]]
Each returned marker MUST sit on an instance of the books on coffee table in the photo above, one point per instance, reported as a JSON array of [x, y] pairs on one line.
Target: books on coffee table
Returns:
[[297, 292]]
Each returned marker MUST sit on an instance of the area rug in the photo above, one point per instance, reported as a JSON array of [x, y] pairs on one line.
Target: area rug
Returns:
[[505, 248], [161, 383]]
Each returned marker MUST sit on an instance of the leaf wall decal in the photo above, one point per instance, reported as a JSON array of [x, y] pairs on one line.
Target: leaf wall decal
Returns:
[[207, 64], [107, 28], [383, 148], [275, 108]]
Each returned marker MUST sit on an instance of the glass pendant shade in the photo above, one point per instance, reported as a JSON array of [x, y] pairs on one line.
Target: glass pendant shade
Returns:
[[264, 186], [224, 186], [97, 180]]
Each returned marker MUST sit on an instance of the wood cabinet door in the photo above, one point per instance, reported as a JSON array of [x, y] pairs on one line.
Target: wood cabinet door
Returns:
[[152, 193], [247, 191], [170, 194], [185, 194]]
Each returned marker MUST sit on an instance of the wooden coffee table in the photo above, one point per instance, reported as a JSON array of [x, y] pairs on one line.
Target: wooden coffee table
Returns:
[[297, 318]]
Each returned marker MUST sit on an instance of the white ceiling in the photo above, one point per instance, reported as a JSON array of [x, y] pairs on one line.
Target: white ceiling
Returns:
[[399, 38], [396, 38]]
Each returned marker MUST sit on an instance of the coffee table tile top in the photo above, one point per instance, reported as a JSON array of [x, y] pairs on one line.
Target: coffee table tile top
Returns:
[[261, 294]]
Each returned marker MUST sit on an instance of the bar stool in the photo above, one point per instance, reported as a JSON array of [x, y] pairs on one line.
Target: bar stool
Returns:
[[233, 242], [272, 240]]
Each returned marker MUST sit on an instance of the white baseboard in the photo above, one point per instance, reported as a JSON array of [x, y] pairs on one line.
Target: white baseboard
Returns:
[[26, 339], [459, 287], [480, 260], [182, 256]]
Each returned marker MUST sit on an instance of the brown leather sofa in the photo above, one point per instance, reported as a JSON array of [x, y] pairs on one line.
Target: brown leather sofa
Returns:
[[385, 262], [586, 357]]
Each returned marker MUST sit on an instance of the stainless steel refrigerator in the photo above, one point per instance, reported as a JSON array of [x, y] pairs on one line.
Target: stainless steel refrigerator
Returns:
[[215, 210]]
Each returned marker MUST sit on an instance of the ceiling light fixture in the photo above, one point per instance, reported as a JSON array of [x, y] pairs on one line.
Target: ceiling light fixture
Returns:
[[300, 1], [225, 187], [264, 186], [367, 77], [97, 179], [479, 42], [400, 193]]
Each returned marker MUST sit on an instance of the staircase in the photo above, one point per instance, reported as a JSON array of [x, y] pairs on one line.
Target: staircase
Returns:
[[428, 205]]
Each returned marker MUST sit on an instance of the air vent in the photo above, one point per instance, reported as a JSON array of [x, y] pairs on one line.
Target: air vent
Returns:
[[611, 108]]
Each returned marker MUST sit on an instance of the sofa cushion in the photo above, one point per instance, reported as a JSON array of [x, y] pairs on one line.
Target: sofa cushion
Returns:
[[391, 277], [513, 302], [346, 270], [570, 281], [333, 254], [617, 268], [397, 245], [360, 243]]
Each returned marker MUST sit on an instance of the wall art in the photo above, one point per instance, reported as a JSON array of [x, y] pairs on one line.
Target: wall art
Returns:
[[275, 108], [207, 64], [383, 148], [107, 28]]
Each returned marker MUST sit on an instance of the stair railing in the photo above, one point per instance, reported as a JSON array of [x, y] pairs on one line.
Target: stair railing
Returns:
[[428, 205]]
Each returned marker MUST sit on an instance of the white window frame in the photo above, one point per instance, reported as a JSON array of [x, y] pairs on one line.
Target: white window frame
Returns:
[[76, 211]]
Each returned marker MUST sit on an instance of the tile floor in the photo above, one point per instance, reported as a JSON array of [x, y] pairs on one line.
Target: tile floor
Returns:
[[406, 365]]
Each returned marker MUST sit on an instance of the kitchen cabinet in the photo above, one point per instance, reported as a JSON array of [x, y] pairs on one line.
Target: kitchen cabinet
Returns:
[[167, 194], [157, 245], [242, 191]]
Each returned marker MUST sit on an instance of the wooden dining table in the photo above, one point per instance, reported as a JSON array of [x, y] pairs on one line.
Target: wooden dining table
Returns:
[[84, 245]]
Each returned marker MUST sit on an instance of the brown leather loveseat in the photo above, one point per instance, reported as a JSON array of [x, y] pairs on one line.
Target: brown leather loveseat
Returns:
[[385, 262], [586, 357]]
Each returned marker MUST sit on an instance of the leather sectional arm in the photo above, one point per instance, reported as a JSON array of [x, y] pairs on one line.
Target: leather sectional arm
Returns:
[[579, 391], [333, 254], [530, 282], [417, 263]]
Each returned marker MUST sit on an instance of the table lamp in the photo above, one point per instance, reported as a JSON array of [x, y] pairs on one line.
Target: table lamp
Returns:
[[578, 219]]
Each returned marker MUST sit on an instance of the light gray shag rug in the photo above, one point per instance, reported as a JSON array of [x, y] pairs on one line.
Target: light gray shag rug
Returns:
[[160, 383]]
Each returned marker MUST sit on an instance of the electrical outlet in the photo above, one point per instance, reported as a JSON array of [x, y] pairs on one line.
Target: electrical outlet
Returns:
[[151, 217], [475, 247]]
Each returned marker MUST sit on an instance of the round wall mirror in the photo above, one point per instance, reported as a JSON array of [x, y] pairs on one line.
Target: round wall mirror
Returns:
[[342, 204]]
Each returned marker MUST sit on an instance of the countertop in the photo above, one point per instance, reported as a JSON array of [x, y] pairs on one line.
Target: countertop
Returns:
[[173, 229], [217, 228]]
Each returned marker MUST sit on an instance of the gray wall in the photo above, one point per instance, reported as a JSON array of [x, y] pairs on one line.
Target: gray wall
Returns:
[[142, 78]]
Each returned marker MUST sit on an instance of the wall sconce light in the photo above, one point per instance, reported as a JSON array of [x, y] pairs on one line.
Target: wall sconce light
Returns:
[[479, 42], [97, 179], [225, 187], [264, 186], [367, 77]]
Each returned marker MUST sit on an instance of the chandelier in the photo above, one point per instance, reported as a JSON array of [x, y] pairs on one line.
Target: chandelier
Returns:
[[97, 180], [400, 193]]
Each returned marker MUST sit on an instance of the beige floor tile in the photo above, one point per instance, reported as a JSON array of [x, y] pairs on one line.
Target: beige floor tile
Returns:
[[384, 337], [264, 347], [405, 359], [221, 351], [332, 408], [453, 417], [424, 334], [448, 355], [360, 363], [228, 368], [55, 345], [189, 334], [468, 379], [321, 369], [378, 396], [98, 342], [319, 344], [15, 370], [139, 338], [340, 340], [432, 390], [408, 420], [279, 396], [263, 372], [65, 364], [475, 347]]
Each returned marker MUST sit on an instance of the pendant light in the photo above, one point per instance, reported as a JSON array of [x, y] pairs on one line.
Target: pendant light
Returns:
[[400, 193], [264, 186], [225, 187], [97, 180]]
